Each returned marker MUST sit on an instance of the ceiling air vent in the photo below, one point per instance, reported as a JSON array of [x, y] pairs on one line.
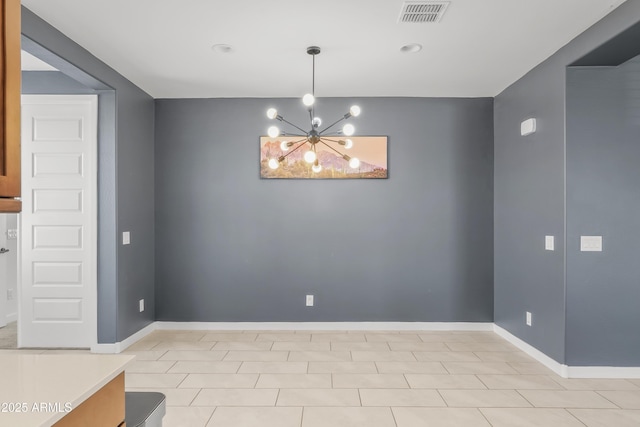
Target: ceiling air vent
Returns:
[[422, 12]]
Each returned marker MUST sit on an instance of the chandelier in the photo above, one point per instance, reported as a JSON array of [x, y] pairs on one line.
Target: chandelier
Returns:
[[316, 135]]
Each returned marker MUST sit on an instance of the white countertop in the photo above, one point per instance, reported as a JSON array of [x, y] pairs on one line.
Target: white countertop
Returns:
[[55, 380]]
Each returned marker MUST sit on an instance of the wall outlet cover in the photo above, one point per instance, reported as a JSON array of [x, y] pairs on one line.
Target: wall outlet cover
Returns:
[[126, 238], [591, 243], [141, 305], [309, 301], [528, 318], [549, 243]]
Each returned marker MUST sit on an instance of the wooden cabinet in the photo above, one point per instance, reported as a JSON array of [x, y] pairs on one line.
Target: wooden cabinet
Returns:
[[10, 106]]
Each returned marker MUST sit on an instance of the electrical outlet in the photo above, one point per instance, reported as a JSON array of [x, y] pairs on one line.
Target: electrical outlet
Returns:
[[126, 238], [141, 305], [529, 320], [10, 294], [12, 234], [309, 300], [549, 243]]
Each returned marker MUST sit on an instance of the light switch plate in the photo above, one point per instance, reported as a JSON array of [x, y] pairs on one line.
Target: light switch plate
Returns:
[[591, 243], [126, 238], [141, 305], [549, 243], [309, 301], [529, 319]]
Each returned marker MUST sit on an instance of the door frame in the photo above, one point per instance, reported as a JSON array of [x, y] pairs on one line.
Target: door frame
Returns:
[[91, 203]]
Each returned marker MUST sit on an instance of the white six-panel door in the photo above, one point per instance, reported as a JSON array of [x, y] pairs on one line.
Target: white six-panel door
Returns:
[[58, 235]]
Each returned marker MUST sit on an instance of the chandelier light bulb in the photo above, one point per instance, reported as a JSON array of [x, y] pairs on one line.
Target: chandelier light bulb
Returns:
[[348, 129], [273, 163], [316, 168], [348, 144], [316, 122], [284, 145], [354, 110], [272, 113], [273, 132], [309, 157], [308, 100], [354, 163]]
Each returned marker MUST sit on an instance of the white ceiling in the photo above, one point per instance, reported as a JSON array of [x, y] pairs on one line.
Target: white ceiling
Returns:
[[164, 46]]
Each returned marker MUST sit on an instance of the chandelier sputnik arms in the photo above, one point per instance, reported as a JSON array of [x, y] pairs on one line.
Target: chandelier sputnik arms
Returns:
[[316, 135]]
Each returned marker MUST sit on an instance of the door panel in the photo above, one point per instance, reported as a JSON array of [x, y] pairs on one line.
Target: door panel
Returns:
[[59, 221]]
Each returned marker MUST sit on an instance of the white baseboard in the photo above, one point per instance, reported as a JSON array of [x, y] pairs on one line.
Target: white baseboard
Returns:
[[569, 371], [556, 367], [13, 317], [119, 347], [325, 326], [559, 368]]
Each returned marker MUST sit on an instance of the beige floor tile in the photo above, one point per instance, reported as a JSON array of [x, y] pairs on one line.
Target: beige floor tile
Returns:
[[193, 355], [235, 397], [504, 356], [318, 397], [369, 381], [596, 384], [566, 399], [410, 368], [238, 336], [481, 346], [244, 345], [162, 336], [283, 337], [484, 399], [519, 382], [154, 380], [180, 416], [462, 382], [294, 381], [347, 417], [607, 417], [256, 356], [382, 356], [337, 337], [530, 417], [319, 356], [273, 368], [256, 417], [204, 367], [143, 345], [149, 366], [360, 346], [624, 399], [439, 417], [220, 381], [445, 356], [342, 367], [399, 397], [534, 368], [488, 336], [444, 337], [393, 338], [418, 346], [635, 381], [183, 345], [145, 354], [174, 396], [479, 368], [301, 346]]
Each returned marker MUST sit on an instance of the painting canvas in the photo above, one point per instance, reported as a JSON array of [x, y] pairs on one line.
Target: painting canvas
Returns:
[[370, 150]]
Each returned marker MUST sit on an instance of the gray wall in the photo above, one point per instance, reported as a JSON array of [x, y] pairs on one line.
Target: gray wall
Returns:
[[603, 198], [51, 83], [414, 247], [125, 184], [529, 194]]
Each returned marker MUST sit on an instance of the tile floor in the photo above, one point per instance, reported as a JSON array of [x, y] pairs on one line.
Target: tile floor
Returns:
[[9, 336], [372, 379]]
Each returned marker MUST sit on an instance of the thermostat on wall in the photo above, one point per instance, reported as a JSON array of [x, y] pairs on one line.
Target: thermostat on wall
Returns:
[[528, 127]]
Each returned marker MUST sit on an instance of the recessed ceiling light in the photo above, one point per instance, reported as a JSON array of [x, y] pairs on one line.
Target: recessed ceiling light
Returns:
[[222, 48], [411, 48]]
